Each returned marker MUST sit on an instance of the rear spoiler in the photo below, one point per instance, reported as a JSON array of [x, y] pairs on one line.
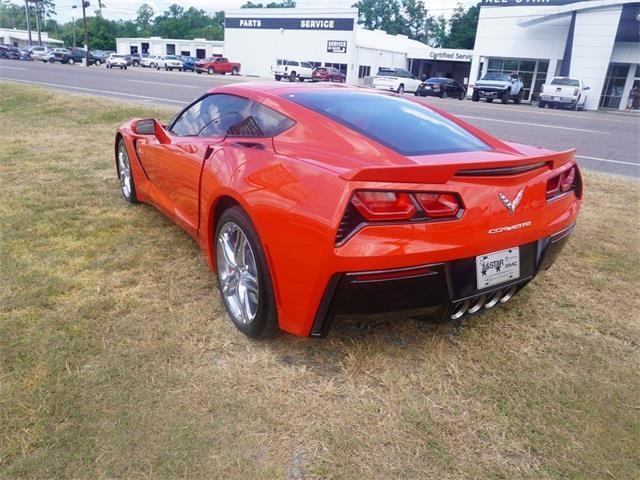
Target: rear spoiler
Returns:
[[443, 172]]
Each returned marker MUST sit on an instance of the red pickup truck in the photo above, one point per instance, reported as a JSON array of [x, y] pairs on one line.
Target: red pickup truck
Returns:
[[217, 65]]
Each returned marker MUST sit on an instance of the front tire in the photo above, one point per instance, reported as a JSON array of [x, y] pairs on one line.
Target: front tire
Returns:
[[400, 90], [541, 104], [234, 71], [278, 77], [444, 94], [505, 97], [519, 97], [98, 63], [292, 77], [125, 175], [243, 275], [210, 71], [475, 97], [71, 61]]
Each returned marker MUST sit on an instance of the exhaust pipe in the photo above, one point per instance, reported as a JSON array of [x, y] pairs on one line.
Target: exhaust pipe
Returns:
[[459, 309], [477, 304], [494, 298], [508, 294]]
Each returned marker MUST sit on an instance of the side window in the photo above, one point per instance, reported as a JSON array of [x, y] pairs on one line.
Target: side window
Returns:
[[292, 64], [221, 115]]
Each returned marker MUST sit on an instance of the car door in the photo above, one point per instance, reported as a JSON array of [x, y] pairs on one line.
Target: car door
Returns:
[[412, 82], [174, 166]]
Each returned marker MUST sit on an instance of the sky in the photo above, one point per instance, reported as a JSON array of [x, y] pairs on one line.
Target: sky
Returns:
[[126, 9]]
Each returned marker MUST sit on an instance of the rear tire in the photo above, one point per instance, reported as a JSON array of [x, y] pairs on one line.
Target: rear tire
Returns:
[[462, 95], [252, 308], [278, 77], [541, 104], [444, 94], [210, 71], [71, 61], [234, 71], [400, 90]]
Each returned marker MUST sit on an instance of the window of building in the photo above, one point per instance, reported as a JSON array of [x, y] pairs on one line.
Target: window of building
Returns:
[[133, 49], [614, 86], [316, 64], [364, 71], [201, 53], [145, 47], [532, 77], [171, 48], [338, 66]]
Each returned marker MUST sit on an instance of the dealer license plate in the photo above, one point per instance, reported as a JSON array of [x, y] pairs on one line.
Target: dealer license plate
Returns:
[[498, 267]]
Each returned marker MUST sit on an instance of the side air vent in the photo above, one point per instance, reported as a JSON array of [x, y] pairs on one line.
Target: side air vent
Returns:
[[351, 220], [502, 171]]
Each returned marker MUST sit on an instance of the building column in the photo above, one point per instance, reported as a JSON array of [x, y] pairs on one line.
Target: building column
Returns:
[[627, 86], [568, 48]]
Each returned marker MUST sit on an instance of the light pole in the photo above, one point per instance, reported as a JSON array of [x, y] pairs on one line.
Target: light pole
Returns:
[[85, 5], [37, 2], [73, 22], [26, 12]]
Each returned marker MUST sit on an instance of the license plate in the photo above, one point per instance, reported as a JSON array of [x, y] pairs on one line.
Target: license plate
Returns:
[[498, 267]]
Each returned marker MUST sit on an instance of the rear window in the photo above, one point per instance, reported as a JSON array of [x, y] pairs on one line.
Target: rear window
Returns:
[[404, 126], [566, 82], [385, 72]]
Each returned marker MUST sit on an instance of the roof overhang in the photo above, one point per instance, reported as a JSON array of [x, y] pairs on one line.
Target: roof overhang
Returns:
[[551, 13]]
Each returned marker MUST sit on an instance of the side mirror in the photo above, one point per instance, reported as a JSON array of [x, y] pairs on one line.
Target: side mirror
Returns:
[[146, 126], [587, 88]]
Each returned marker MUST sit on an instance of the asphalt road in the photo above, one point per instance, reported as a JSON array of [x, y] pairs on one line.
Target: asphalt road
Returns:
[[607, 142]]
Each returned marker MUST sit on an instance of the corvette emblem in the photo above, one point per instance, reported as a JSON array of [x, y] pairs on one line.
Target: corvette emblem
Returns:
[[512, 204]]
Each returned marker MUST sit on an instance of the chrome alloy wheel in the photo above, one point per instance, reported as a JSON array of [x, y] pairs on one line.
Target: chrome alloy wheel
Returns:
[[238, 273], [125, 171]]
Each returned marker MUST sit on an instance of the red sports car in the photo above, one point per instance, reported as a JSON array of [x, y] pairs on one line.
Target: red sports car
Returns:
[[314, 200]]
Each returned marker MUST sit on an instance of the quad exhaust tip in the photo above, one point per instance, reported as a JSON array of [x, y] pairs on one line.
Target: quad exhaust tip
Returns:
[[484, 301]]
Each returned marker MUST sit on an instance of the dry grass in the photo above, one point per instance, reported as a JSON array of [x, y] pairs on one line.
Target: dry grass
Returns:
[[117, 360]]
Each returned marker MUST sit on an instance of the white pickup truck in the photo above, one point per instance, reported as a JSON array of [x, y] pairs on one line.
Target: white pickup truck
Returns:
[[564, 92], [292, 70]]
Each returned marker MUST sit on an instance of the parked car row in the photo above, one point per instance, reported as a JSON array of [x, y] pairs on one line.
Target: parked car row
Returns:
[[9, 52], [293, 70]]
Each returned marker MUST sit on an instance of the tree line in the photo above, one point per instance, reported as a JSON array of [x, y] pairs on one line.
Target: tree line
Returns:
[[406, 17]]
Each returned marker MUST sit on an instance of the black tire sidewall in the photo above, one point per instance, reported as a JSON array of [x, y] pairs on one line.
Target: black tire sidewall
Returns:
[[265, 323]]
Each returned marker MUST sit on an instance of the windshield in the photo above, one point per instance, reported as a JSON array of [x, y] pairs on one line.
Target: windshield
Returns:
[[407, 127], [567, 82], [117, 56], [500, 77], [171, 57], [387, 73]]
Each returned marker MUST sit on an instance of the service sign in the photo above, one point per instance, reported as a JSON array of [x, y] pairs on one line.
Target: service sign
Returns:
[[337, 24], [452, 55], [523, 3], [336, 46]]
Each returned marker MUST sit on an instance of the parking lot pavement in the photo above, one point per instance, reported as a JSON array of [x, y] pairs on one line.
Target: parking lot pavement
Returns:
[[604, 141]]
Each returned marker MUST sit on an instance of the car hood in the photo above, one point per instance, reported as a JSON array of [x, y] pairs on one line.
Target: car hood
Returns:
[[492, 83]]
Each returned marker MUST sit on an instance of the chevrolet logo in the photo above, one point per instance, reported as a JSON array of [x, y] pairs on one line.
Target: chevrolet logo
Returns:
[[511, 204]]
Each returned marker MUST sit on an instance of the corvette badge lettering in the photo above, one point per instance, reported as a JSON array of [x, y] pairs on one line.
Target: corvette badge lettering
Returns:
[[509, 228], [512, 204]]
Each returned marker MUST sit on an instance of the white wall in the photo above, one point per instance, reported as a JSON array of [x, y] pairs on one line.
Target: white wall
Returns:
[[594, 37], [257, 49], [158, 46]]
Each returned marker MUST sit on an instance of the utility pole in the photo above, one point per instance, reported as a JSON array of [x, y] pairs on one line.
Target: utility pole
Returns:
[[37, 2], [73, 22], [85, 5], [26, 12]]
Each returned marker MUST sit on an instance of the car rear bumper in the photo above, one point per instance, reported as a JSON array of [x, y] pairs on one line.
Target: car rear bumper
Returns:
[[450, 284]]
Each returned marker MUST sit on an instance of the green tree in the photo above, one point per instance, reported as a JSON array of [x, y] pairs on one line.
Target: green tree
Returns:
[[463, 26], [417, 19], [438, 34], [283, 4], [382, 14], [143, 20]]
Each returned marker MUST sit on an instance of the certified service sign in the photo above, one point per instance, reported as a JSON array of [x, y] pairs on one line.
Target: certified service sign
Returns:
[[336, 46]]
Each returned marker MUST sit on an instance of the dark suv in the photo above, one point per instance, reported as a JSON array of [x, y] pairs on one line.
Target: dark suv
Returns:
[[73, 56]]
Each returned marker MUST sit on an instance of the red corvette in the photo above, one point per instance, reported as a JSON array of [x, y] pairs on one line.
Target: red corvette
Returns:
[[314, 200]]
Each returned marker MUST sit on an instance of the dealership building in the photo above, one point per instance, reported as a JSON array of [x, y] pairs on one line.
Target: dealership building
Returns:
[[257, 38], [596, 41], [199, 47]]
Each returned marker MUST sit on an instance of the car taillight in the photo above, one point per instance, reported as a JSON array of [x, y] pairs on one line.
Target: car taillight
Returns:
[[384, 205], [372, 206], [438, 205], [565, 182]]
